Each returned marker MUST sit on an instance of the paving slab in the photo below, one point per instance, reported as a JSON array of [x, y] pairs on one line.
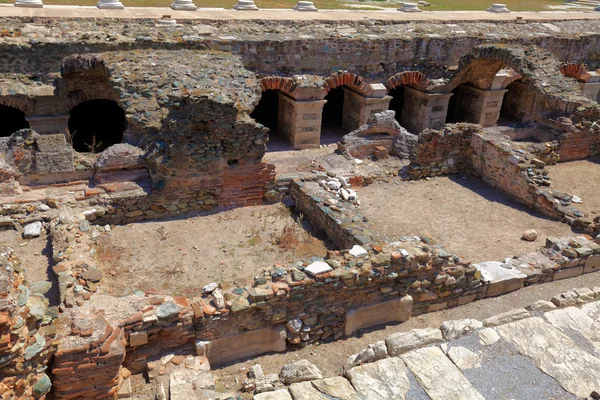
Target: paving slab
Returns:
[[385, 379], [440, 378], [578, 320], [554, 353], [505, 374]]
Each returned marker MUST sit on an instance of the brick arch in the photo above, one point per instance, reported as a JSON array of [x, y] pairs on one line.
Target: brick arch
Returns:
[[479, 68], [411, 78], [22, 103], [349, 79], [85, 62], [281, 84], [83, 78], [577, 71]]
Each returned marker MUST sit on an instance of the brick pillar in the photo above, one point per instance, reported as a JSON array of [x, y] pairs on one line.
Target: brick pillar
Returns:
[[49, 124], [422, 110], [358, 108], [300, 121], [479, 106]]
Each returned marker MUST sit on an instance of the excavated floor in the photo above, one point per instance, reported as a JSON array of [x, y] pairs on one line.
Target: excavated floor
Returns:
[[463, 214], [179, 257], [575, 177]]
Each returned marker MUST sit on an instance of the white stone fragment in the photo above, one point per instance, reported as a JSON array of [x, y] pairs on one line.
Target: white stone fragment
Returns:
[[358, 251], [464, 358], [110, 5], [318, 267], [334, 185], [245, 5], [488, 336], [209, 288], [498, 8], [32, 230], [184, 5], [29, 3], [456, 328], [409, 7], [305, 6]]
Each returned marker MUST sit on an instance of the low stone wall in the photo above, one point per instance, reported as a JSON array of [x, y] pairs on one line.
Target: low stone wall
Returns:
[[467, 148], [444, 151], [342, 222], [27, 335]]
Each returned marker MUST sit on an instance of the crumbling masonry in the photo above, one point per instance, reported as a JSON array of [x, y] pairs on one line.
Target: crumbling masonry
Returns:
[[118, 122]]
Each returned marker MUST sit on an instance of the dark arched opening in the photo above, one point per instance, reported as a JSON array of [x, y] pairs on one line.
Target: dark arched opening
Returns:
[[517, 103], [333, 110], [453, 115], [96, 125], [11, 120], [267, 110], [397, 101], [333, 114]]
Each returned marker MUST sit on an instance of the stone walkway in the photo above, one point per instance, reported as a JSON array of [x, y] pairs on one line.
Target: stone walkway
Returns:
[[540, 353], [8, 10]]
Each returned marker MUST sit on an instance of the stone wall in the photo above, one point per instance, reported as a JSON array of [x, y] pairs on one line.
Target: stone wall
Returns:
[[444, 151], [27, 334]]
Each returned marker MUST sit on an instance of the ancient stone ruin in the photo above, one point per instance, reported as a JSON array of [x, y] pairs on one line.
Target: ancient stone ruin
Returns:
[[175, 198]]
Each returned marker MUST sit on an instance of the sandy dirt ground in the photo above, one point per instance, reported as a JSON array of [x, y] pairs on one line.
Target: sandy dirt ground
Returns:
[[576, 177], [179, 257], [330, 357], [465, 216]]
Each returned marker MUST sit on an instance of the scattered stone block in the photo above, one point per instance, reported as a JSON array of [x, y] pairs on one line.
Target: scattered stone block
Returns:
[[305, 391], [373, 353], [488, 336], [541, 305], [456, 328], [317, 268], [530, 235], [464, 358], [501, 277], [358, 251], [337, 387], [402, 342], [505, 318], [299, 371], [256, 372], [281, 394], [32, 230]]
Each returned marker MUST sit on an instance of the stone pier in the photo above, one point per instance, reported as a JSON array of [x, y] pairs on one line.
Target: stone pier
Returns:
[[421, 110], [300, 121], [478, 106], [45, 124], [591, 88], [358, 108]]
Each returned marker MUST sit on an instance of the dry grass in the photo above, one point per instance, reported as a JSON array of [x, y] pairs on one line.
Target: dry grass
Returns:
[[289, 236], [437, 5]]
